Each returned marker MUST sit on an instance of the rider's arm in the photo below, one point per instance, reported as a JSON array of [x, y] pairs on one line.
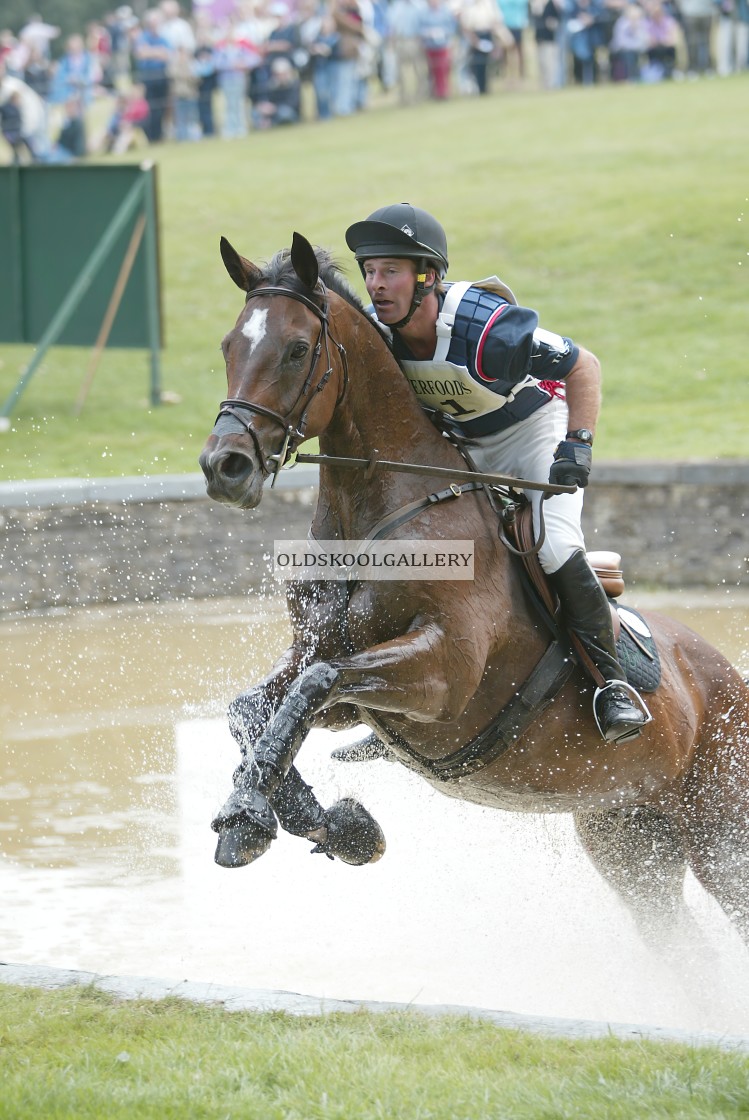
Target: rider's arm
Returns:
[[583, 384]]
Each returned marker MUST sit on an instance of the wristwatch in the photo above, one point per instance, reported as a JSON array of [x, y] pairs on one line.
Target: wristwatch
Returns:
[[584, 435]]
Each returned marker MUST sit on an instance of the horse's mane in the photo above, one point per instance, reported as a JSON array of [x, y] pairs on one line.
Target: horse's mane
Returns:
[[280, 271]]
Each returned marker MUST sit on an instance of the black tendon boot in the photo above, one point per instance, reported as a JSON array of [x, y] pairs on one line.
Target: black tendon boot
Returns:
[[586, 612]]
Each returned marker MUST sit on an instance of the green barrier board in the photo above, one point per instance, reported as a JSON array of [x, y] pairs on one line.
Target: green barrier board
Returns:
[[51, 221], [80, 261]]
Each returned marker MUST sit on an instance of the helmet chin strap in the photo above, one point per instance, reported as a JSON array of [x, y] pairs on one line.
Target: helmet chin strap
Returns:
[[421, 290]]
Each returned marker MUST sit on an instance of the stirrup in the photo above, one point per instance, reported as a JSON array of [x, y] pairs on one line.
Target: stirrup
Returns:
[[626, 736]]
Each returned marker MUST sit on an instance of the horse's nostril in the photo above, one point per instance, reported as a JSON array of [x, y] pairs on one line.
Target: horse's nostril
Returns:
[[234, 466]]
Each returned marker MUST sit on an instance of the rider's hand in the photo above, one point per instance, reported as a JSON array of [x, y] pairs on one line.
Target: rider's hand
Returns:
[[571, 466]]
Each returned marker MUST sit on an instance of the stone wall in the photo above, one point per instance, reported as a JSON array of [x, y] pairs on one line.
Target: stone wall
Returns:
[[76, 543]]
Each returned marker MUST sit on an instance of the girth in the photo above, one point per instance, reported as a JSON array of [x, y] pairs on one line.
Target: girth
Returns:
[[534, 695]]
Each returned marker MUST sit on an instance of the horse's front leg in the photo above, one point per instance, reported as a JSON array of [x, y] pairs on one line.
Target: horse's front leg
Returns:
[[294, 804], [268, 786], [426, 674]]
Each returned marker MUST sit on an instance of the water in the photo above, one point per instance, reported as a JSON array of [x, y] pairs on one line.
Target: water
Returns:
[[116, 755]]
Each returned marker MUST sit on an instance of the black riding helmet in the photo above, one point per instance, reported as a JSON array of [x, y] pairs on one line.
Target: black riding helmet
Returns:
[[402, 230]]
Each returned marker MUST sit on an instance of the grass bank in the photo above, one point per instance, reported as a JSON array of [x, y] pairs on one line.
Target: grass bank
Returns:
[[619, 212], [80, 1053]]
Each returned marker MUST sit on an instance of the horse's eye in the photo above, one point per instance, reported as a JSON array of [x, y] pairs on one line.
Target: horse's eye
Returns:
[[299, 351]]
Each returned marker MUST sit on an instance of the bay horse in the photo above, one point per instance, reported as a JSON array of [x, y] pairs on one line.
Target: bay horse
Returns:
[[427, 665]]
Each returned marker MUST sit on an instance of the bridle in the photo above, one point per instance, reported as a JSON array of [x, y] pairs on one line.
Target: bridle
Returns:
[[294, 430]]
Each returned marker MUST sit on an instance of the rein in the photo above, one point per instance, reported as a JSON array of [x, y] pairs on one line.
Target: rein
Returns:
[[445, 472], [293, 431]]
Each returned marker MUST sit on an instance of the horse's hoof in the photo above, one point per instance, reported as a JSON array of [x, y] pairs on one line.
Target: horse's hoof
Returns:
[[246, 804], [241, 843], [246, 826], [354, 836], [366, 750]]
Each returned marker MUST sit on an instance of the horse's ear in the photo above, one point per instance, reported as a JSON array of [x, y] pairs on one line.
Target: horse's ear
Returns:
[[304, 261], [243, 272]]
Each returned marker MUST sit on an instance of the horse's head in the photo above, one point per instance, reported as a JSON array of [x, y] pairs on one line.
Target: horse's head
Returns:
[[282, 385]]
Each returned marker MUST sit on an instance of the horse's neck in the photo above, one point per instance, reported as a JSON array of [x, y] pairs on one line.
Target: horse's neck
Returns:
[[380, 414], [381, 418]]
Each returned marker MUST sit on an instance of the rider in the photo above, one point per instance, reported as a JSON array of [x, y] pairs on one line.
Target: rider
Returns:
[[523, 400]]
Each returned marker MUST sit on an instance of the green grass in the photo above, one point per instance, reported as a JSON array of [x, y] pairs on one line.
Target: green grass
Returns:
[[620, 213], [80, 1053]]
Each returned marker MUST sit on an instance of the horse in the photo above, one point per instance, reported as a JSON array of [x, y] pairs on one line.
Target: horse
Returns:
[[428, 664]]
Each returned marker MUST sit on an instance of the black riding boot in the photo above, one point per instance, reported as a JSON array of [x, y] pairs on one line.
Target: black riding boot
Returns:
[[586, 612]]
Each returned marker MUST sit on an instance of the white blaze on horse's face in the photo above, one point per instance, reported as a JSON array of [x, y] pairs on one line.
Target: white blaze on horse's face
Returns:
[[255, 327]]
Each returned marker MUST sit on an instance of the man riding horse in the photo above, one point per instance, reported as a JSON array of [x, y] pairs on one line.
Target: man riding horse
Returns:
[[522, 400]]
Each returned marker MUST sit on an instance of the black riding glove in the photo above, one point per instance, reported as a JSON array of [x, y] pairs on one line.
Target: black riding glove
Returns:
[[572, 463]]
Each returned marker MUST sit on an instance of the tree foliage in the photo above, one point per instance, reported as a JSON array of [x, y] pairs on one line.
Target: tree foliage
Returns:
[[68, 15]]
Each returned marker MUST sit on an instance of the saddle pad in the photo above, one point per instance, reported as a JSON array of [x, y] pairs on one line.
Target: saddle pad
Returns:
[[642, 672]]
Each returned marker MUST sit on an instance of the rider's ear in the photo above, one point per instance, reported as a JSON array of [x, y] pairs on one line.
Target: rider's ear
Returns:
[[243, 272], [304, 260]]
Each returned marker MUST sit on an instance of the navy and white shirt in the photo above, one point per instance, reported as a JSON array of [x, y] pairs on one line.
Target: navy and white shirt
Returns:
[[493, 365]]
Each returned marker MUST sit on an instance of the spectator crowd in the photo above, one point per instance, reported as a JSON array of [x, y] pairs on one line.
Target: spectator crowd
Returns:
[[230, 66]]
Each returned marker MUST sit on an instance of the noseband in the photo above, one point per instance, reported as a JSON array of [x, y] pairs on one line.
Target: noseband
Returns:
[[294, 431]]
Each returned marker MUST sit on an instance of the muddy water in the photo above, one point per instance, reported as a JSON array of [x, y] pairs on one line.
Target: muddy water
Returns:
[[115, 754]]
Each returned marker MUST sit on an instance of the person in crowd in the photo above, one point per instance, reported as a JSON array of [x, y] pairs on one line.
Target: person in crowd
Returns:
[[663, 41], [177, 30], [150, 54], [37, 73], [369, 61], [38, 35], [349, 38], [486, 39], [11, 126], [184, 81], [438, 28], [318, 33], [403, 18], [99, 45], [33, 111], [12, 55], [75, 79], [732, 36], [698, 18], [76, 75], [278, 103], [205, 68], [125, 127], [535, 397], [548, 22], [71, 141], [516, 16], [584, 36], [285, 38], [236, 58], [120, 25], [629, 43]]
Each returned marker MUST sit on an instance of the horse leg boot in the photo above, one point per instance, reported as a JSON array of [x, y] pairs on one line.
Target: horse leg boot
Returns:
[[618, 710], [246, 823], [345, 830]]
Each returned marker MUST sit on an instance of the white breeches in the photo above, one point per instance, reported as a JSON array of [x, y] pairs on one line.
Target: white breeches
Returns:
[[526, 450]]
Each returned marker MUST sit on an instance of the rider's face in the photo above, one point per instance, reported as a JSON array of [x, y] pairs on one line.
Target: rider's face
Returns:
[[391, 282]]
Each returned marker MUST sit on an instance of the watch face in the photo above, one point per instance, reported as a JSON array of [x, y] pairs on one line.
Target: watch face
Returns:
[[582, 433]]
